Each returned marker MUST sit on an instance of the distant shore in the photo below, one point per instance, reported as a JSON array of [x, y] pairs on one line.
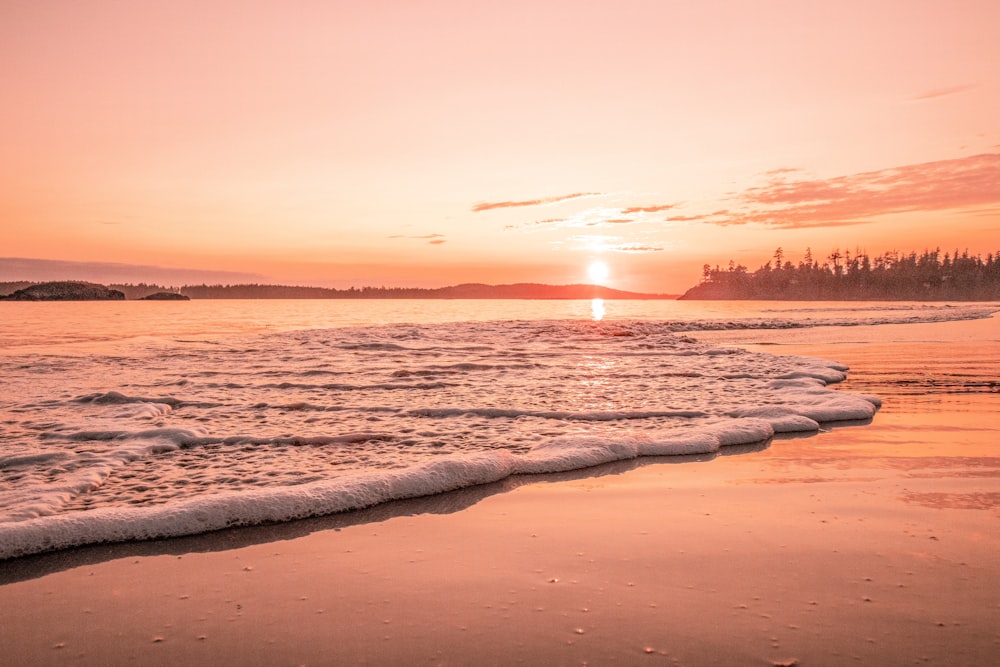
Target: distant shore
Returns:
[[80, 291], [891, 276]]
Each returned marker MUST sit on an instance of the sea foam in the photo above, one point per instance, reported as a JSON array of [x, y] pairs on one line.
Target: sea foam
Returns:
[[203, 436]]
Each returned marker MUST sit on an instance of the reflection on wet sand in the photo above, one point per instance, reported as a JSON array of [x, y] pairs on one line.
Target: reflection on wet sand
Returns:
[[955, 501]]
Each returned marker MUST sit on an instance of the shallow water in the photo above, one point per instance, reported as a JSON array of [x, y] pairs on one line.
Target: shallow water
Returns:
[[169, 422], [83, 327]]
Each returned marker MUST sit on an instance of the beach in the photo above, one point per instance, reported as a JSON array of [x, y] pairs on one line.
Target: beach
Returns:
[[480, 333], [865, 543]]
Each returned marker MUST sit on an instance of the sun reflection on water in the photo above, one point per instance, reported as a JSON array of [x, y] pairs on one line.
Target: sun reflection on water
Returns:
[[597, 309]]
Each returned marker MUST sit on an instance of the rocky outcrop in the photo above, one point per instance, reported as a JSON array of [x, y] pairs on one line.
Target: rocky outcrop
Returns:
[[165, 296], [66, 291]]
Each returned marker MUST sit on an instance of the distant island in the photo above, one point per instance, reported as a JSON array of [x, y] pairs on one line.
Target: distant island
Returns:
[[66, 290], [165, 296], [78, 291], [891, 276]]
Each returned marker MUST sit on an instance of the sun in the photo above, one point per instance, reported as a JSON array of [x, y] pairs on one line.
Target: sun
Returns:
[[598, 272]]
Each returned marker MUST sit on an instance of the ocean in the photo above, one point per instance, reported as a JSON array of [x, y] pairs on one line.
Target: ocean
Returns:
[[138, 420]]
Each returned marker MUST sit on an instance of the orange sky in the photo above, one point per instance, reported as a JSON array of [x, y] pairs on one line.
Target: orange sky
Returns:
[[439, 142]]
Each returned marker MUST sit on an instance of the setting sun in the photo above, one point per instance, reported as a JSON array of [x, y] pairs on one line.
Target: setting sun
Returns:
[[598, 272]]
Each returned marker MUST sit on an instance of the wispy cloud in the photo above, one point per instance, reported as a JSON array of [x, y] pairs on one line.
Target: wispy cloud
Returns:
[[688, 218], [21, 268], [594, 217], [587, 218], [857, 198], [600, 217], [650, 209], [488, 206], [636, 248], [985, 212], [432, 239], [942, 92], [598, 243]]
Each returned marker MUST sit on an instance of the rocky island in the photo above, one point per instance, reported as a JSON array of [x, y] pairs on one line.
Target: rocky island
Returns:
[[67, 290], [165, 296]]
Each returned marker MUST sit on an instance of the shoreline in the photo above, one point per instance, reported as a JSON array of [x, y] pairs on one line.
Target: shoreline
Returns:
[[871, 543]]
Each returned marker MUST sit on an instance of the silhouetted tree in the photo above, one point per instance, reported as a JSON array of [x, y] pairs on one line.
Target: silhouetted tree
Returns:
[[847, 276]]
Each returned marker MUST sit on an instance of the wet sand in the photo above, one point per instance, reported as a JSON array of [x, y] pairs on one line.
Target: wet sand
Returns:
[[867, 544]]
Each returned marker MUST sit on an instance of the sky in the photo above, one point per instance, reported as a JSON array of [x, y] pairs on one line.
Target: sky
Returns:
[[430, 143]]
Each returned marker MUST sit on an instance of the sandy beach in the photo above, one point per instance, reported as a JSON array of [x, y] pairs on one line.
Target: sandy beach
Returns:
[[500, 333], [865, 544]]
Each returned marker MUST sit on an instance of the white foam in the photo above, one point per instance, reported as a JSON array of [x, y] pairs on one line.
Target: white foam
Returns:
[[350, 493], [186, 517], [242, 440]]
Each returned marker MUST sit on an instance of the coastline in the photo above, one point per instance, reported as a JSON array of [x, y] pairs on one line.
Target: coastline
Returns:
[[871, 543]]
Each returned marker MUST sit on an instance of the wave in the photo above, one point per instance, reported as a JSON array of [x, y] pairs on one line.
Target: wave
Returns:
[[224, 510], [242, 436]]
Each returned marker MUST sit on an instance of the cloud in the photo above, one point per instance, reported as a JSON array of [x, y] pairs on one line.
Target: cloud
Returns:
[[595, 243], [487, 206], [595, 216], [432, 239], [650, 209], [942, 92], [20, 268], [635, 247], [687, 218], [590, 217], [828, 223], [857, 198]]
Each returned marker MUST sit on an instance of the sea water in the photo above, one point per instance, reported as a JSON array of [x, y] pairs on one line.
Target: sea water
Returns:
[[138, 420]]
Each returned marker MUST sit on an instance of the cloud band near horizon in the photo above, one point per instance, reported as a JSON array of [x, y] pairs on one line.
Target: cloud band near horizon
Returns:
[[854, 199], [488, 206]]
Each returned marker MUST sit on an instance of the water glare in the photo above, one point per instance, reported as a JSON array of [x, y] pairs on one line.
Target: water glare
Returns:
[[597, 309]]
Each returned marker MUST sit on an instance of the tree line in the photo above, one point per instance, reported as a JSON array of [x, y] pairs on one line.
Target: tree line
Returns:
[[928, 276]]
